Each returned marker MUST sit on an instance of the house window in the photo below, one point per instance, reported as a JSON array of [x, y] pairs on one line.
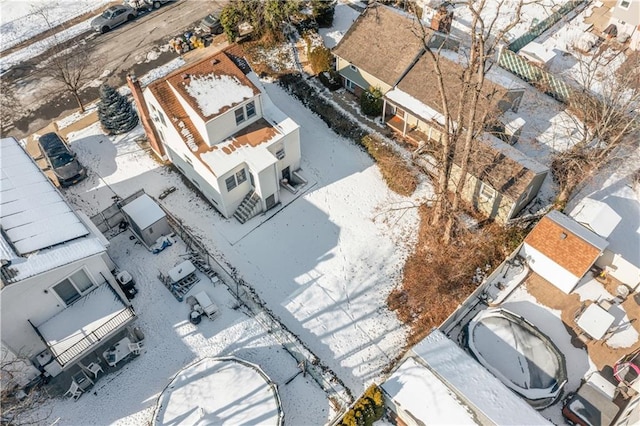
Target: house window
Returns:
[[188, 160], [280, 153], [353, 68], [72, 288], [231, 182], [161, 115], [487, 193], [625, 4], [525, 196], [239, 115], [241, 176], [350, 85], [251, 109]]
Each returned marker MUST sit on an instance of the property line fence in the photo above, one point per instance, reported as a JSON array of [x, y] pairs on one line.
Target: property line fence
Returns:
[[246, 296], [539, 28], [112, 216], [536, 76]]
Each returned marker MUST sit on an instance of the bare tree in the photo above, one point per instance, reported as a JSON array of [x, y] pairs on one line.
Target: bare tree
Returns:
[[10, 106], [605, 103], [467, 117], [19, 407], [69, 63]]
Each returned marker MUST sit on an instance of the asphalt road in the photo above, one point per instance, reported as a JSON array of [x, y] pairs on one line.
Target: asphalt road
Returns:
[[124, 49]]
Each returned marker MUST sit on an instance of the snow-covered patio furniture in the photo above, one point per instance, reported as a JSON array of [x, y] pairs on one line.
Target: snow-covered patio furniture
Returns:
[[136, 347], [117, 352], [95, 368], [74, 391], [207, 306], [595, 321]]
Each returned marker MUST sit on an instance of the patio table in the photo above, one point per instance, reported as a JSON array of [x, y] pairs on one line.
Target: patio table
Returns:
[[117, 352], [595, 321]]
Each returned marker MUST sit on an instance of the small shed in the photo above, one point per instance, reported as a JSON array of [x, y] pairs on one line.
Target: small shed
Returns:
[[561, 250], [147, 220]]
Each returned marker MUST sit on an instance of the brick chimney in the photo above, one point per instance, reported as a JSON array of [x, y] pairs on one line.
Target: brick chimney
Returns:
[[442, 20], [152, 137]]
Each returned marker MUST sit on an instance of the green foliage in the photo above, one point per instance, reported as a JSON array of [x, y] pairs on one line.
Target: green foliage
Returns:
[[323, 11], [331, 79], [371, 102], [230, 17], [367, 410], [320, 59], [115, 112]]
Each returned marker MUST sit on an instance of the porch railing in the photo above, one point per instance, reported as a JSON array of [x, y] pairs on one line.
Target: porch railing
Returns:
[[94, 337]]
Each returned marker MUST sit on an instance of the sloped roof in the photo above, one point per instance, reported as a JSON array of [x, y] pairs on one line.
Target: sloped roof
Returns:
[[481, 391], [566, 242], [421, 82], [218, 65], [498, 164], [39, 230], [383, 42]]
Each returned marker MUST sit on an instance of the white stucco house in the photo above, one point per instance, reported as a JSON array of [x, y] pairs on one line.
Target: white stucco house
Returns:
[[220, 129], [59, 299]]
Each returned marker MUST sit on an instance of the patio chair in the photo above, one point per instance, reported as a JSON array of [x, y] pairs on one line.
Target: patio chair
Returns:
[[74, 391], [136, 347], [95, 368], [584, 338]]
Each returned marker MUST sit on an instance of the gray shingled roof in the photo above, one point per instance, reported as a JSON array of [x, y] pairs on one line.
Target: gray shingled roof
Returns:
[[383, 42]]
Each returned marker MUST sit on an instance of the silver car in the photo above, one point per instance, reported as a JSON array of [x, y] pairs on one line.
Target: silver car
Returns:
[[112, 17]]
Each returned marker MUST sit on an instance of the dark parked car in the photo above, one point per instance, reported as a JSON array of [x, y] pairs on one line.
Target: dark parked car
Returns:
[[211, 24], [61, 160], [112, 17]]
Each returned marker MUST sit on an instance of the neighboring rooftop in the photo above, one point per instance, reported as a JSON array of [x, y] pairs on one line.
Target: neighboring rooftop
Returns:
[[383, 42], [490, 400], [34, 215], [39, 230], [144, 211], [566, 242]]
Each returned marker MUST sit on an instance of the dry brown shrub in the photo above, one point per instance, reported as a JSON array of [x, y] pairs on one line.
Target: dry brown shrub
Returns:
[[438, 278], [399, 177]]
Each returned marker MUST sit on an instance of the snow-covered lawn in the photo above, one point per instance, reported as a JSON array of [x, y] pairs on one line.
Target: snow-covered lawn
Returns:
[[19, 20], [342, 19], [324, 264], [128, 396]]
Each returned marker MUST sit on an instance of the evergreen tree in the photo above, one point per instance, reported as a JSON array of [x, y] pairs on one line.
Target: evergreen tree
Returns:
[[323, 12], [115, 112]]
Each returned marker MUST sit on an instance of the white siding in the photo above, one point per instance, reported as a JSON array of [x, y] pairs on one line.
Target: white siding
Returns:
[[548, 269], [224, 125], [34, 299]]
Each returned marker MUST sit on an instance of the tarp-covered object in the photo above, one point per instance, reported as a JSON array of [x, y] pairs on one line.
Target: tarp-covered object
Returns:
[[517, 353]]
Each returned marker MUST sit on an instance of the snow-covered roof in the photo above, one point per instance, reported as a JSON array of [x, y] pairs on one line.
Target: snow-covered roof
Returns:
[[421, 394], [414, 105], [276, 125], [81, 319], [213, 92], [144, 211], [40, 231], [220, 391], [34, 215], [482, 391], [597, 216], [571, 225], [538, 52]]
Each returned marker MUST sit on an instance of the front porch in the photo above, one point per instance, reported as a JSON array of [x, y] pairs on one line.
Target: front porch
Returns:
[[410, 133]]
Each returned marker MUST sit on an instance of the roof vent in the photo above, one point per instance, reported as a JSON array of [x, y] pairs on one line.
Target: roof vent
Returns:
[[215, 61], [563, 236], [185, 76]]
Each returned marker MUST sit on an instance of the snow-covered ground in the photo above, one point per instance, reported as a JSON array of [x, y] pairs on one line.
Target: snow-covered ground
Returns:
[[324, 264], [20, 21], [128, 396], [342, 20]]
